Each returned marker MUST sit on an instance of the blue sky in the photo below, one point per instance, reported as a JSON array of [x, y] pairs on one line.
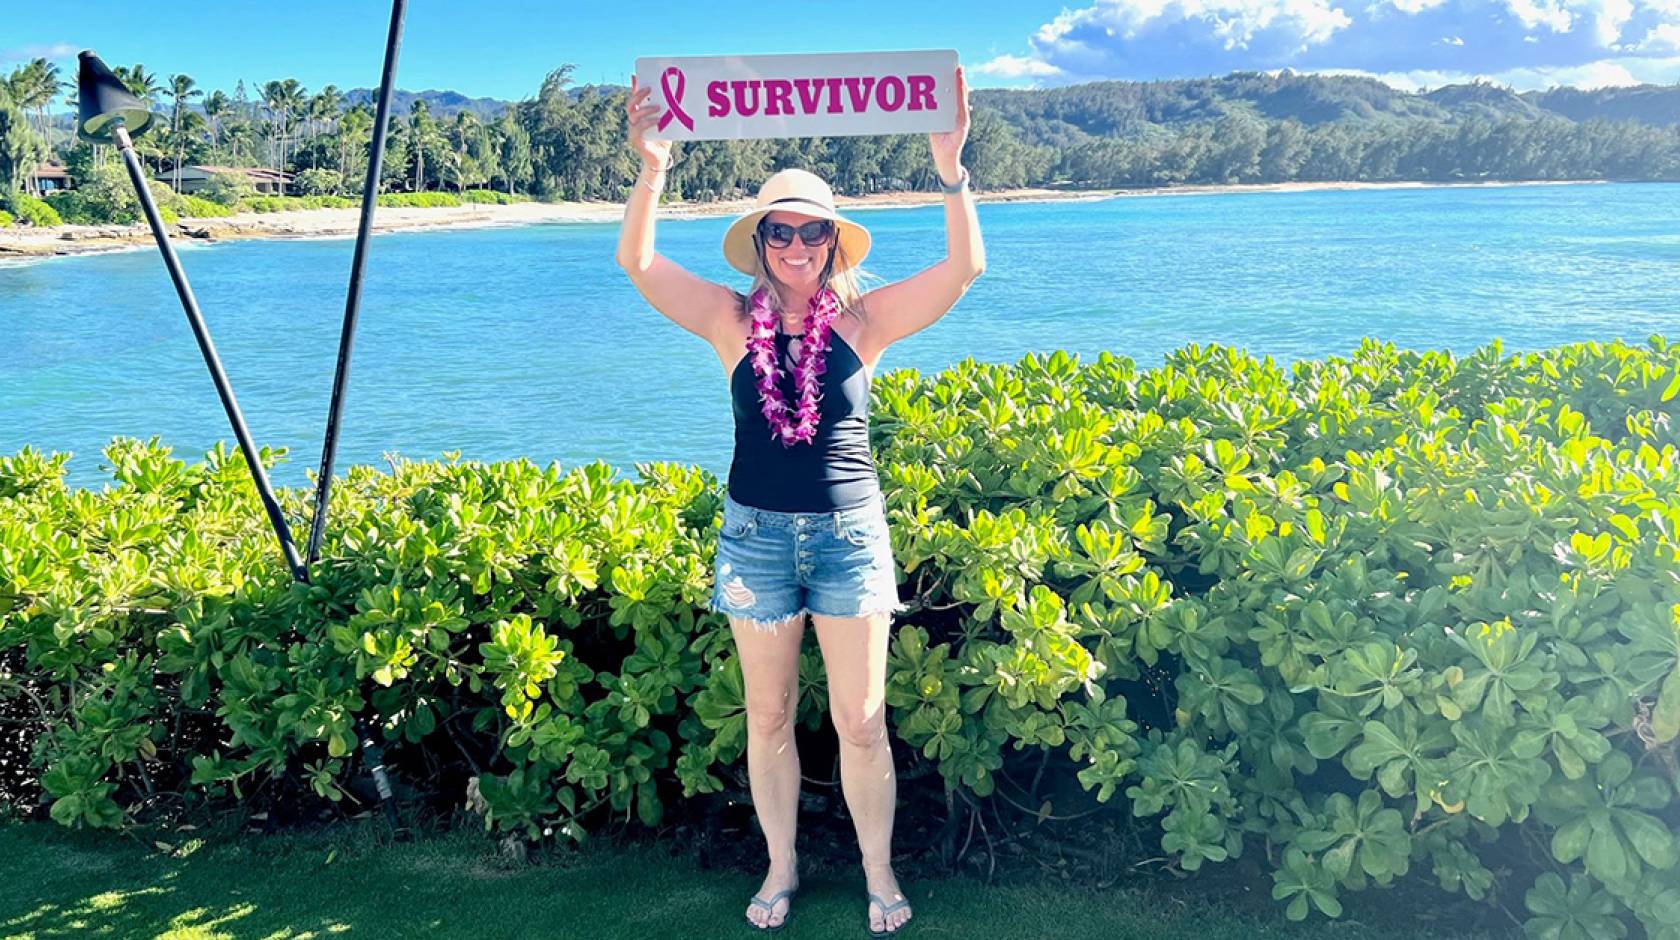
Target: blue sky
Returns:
[[502, 48]]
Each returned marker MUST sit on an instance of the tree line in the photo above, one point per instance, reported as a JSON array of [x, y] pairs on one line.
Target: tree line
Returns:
[[566, 142]]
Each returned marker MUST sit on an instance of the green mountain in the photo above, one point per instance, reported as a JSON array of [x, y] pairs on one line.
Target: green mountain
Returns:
[[1067, 115], [1652, 104], [1483, 100]]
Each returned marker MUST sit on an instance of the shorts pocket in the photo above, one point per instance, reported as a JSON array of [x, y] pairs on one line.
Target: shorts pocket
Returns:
[[865, 531], [735, 526]]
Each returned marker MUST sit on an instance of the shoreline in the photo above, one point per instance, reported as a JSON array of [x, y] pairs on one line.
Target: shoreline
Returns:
[[20, 244]]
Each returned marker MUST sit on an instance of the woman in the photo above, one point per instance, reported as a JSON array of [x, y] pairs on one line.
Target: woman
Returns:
[[804, 527]]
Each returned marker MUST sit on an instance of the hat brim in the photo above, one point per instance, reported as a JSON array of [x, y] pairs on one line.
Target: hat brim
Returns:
[[742, 255]]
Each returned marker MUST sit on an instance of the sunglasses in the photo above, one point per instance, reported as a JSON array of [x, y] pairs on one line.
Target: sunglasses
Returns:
[[813, 234]]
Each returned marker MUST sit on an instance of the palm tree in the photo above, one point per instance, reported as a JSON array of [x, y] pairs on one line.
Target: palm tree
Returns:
[[322, 108], [240, 136], [215, 108], [141, 83], [424, 134], [354, 129], [181, 89], [284, 100], [33, 86], [328, 104], [293, 98]]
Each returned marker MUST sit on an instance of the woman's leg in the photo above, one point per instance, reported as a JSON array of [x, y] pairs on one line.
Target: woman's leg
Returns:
[[855, 655], [770, 671]]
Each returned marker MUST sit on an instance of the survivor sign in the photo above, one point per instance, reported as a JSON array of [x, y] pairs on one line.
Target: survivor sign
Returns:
[[823, 95]]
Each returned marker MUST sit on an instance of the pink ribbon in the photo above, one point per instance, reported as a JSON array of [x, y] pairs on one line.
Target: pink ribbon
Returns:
[[673, 98]]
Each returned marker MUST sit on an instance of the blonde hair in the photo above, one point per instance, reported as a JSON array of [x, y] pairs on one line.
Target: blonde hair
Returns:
[[847, 282]]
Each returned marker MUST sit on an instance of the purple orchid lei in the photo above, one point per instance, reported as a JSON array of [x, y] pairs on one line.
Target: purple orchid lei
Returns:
[[807, 371]]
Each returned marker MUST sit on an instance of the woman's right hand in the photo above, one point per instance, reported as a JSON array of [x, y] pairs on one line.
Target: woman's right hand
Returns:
[[642, 115]]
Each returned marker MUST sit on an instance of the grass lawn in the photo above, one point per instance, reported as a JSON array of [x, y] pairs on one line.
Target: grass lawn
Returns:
[[59, 883]]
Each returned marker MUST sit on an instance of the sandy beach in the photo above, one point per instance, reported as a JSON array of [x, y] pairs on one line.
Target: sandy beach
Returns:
[[18, 243]]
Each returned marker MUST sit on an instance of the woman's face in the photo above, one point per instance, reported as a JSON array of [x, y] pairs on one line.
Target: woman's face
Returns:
[[799, 266]]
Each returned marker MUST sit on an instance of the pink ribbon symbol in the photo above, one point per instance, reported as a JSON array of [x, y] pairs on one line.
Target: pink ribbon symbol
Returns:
[[673, 98]]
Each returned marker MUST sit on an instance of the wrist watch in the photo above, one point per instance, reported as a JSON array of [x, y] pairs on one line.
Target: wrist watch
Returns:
[[951, 189]]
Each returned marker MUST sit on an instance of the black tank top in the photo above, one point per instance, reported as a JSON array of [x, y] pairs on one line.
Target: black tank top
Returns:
[[836, 470]]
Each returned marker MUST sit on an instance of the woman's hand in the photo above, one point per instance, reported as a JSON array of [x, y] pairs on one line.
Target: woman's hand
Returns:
[[947, 146], [642, 114]]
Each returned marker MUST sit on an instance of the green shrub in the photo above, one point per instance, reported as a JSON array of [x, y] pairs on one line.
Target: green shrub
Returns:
[[418, 200], [318, 182], [294, 203], [329, 202], [103, 196], [67, 204], [1394, 615], [490, 196], [5, 218], [228, 189], [199, 208], [31, 210]]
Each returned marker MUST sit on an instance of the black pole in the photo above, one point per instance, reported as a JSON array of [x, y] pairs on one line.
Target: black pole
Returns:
[[201, 332], [106, 106], [353, 299], [372, 753]]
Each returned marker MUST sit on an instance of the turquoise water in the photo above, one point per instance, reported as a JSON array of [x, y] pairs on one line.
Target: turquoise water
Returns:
[[529, 341]]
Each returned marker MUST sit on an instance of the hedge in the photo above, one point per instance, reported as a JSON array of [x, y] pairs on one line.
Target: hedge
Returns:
[[490, 196], [31, 210], [1392, 615], [419, 200], [264, 204], [197, 207]]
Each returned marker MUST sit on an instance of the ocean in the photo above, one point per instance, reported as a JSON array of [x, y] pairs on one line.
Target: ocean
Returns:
[[529, 341]]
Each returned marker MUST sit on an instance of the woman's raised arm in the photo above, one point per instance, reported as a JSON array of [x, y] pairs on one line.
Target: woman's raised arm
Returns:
[[904, 307], [695, 304]]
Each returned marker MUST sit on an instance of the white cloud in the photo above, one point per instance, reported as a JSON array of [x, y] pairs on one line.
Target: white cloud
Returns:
[[57, 50], [1013, 66], [1234, 24], [1416, 6], [1601, 42], [1664, 37], [1604, 74]]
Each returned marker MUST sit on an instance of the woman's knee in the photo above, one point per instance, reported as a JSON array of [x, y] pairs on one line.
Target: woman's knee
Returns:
[[770, 718], [860, 725]]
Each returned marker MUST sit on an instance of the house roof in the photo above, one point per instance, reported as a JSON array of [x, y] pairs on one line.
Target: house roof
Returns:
[[255, 173], [51, 171]]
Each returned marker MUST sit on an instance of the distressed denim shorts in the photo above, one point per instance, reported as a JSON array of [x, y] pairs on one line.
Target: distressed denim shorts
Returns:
[[772, 565]]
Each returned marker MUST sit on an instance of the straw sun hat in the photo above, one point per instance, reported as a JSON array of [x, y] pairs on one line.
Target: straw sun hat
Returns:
[[793, 191]]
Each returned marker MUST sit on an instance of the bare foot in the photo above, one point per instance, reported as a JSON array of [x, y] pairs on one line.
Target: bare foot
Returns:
[[775, 883], [884, 886]]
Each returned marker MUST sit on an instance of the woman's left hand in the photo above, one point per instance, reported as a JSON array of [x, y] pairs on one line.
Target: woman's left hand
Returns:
[[947, 146]]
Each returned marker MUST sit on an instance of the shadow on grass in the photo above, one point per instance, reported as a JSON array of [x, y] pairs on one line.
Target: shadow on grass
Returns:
[[344, 883]]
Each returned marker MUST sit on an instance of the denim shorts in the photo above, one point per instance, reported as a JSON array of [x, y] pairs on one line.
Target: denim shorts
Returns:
[[771, 565]]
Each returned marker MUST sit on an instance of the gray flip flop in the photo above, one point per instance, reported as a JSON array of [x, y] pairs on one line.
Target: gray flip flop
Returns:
[[885, 910], [770, 908]]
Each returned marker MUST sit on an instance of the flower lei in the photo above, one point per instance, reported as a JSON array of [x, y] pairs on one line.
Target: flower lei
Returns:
[[807, 371]]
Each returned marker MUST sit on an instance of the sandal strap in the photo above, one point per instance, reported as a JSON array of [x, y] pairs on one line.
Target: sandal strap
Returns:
[[889, 908], [770, 905]]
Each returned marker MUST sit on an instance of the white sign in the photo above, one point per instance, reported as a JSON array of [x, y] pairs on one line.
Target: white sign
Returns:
[[821, 95]]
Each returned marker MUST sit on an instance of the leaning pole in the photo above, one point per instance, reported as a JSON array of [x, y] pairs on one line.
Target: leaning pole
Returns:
[[110, 114]]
